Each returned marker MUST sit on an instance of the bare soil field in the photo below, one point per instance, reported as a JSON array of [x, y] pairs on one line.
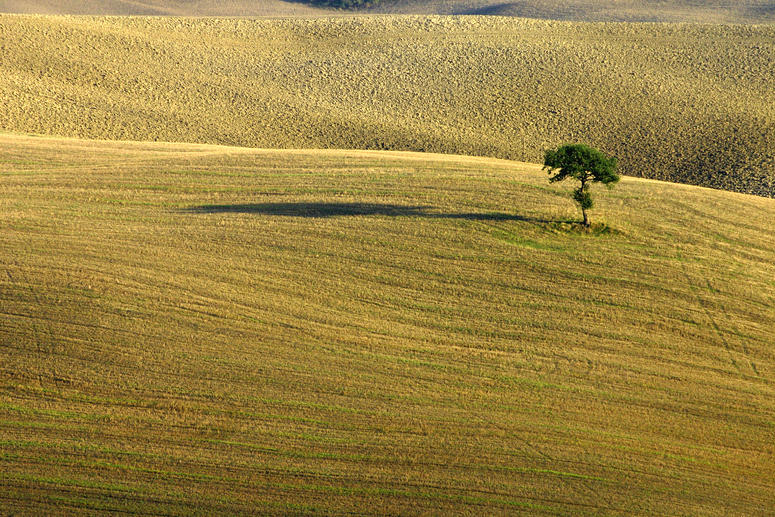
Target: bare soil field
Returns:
[[678, 102], [190, 330]]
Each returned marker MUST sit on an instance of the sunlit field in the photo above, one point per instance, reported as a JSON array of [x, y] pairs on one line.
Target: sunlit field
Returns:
[[195, 329]]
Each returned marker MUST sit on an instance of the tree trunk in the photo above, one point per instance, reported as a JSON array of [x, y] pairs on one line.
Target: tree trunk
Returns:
[[584, 210]]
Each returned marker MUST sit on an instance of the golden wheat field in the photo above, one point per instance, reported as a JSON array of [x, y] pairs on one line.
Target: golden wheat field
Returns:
[[192, 329], [681, 102]]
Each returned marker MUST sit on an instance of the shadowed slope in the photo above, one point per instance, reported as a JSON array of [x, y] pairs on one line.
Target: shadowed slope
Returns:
[[685, 103], [161, 358], [707, 11]]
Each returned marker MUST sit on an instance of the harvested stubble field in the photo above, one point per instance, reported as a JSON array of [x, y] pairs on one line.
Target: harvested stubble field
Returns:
[[196, 329], [688, 103]]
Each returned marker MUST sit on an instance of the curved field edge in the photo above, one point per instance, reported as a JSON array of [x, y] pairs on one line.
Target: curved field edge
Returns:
[[688, 103], [195, 329]]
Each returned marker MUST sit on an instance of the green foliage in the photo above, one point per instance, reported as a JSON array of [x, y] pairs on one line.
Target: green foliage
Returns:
[[585, 164], [581, 162], [583, 198]]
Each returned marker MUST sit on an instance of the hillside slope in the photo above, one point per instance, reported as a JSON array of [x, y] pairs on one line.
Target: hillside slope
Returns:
[[162, 7], [194, 329], [691, 103], [707, 11]]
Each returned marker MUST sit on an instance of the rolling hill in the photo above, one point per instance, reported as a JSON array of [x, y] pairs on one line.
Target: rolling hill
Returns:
[[192, 329], [688, 103], [161, 7], [707, 11]]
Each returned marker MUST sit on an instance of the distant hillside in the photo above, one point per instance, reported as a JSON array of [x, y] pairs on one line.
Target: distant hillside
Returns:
[[163, 7], [690, 103], [198, 330], [708, 11]]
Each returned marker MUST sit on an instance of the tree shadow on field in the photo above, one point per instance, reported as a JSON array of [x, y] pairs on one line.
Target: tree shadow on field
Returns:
[[322, 210]]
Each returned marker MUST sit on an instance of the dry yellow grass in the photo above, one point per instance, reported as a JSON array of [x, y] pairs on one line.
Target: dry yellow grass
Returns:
[[194, 329], [690, 103]]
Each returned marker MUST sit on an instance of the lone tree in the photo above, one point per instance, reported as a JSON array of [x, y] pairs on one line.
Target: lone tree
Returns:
[[583, 163]]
